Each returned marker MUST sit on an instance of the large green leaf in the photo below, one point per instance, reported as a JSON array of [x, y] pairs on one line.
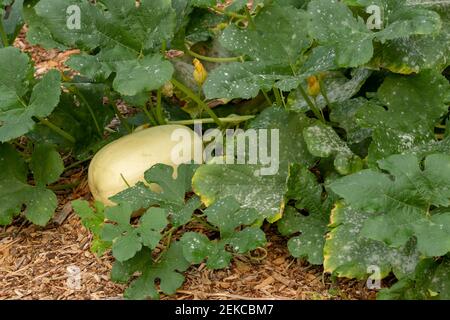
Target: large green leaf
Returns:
[[126, 37], [17, 110], [406, 113], [402, 201], [167, 270], [40, 203], [348, 253]]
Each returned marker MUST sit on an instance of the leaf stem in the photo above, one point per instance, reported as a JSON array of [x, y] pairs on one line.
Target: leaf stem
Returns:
[[198, 100], [57, 130], [227, 13], [214, 59], [311, 105], [91, 111], [119, 114], [267, 97], [324, 93], [3, 34], [159, 110], [237, 119]]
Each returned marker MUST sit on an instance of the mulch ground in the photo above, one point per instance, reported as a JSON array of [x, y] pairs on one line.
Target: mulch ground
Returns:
[[34, 260]]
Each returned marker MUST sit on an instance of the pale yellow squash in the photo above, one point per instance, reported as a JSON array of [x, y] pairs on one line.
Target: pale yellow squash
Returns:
[[125, 160]]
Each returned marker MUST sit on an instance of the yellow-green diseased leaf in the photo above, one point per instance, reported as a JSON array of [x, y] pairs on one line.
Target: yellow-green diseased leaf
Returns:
[[46, 164], [263, 193], [401, 201], [40, 203], [16, 112], [406, 113], [332, 24], [323, 141], [347, 253], [431, 281], [227, 215], [279, 36], [152, 223], [93, 220], [337, 87], [167, 271]]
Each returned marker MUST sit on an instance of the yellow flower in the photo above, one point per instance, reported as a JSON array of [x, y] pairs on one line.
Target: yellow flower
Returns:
[[313, 86], [200, 73]]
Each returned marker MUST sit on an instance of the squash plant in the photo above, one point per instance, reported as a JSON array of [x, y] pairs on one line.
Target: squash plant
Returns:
[[362, 115]]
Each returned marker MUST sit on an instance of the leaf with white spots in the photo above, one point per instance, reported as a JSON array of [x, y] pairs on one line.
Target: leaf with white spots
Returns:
[[404, 201], [348, 253], [324, 142], [407, 110]]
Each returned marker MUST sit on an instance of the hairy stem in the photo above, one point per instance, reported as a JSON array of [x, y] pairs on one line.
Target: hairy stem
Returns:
[[197, 100], [214, 59], [57, 130]]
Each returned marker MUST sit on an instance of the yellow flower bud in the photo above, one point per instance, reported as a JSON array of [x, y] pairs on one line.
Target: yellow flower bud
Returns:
[[200, 73], [313, 86]]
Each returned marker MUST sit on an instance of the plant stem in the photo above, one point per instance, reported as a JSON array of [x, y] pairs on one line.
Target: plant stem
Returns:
[[3, 34], [62, 187], [119, 114], [323, 91], [159, 110], [214, 59], [311, 105], [230, 14], [251, 23], [150, 116], [267, 97], [277, 96], [57, 130], [76, 164], [210, 120], [197, 100], [91, 111]]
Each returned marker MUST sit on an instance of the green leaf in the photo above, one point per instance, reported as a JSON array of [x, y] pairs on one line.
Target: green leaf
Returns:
[[344, 113], [348, 253], [413, 107], [40, 203], [431, 280], [402, 201], [279, 36], [152, 223], [167, 270], [337, 87], [11, 19], [245, 80], [16, 110], [324, 142], [127, 38], [93, 220], [333, 25], [304, 188], [171, 196], [46, 164]]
